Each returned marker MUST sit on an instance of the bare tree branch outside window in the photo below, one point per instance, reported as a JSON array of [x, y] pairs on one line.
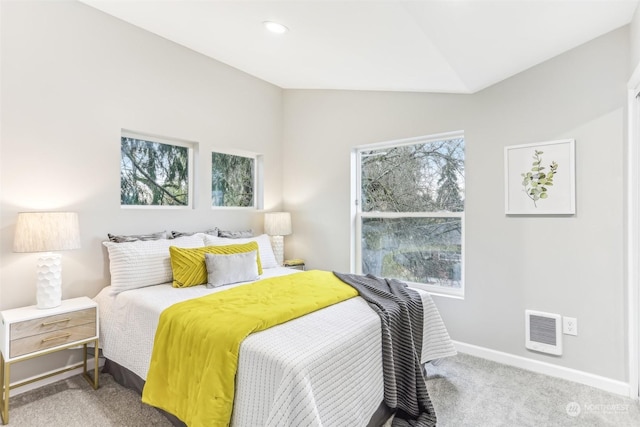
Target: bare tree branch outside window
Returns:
[[153, 173], [412, 202], [232, 180], [414, 178]]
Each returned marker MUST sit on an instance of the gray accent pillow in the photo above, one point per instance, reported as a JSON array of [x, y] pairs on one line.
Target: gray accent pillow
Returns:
[[232, 268], [137, 237], [235, 234], [211, 232]]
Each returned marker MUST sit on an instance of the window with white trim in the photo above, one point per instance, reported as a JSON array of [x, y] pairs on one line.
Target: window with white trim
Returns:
[[155, 172], [236, 180], [409, 211]]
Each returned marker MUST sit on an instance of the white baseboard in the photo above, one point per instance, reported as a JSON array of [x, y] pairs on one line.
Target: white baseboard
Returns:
[[602, 383], [55, 378]]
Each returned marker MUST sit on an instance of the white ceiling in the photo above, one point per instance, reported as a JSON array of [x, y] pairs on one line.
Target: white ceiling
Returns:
[[458, 46]]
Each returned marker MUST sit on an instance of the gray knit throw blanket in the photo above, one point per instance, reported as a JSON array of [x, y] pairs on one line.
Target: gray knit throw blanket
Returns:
[[401, 317]]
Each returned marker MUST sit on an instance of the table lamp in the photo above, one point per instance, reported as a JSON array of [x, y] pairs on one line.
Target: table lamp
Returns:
[[277, 225], [46, 232]]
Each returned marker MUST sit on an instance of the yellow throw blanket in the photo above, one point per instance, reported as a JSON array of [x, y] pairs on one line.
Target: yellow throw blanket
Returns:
[[197, 343]]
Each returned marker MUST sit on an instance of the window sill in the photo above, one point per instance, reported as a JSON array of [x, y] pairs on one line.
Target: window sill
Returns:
[[439, 291]]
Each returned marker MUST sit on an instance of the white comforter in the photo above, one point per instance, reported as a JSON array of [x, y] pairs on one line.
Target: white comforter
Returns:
[[323, 369]]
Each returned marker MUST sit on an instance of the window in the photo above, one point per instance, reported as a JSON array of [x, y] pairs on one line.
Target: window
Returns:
[[155, 171], [409, 212], [233, 180]]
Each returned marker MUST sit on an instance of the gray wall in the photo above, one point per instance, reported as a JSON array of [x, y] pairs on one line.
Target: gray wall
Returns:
[[567, 265], [72, 78]]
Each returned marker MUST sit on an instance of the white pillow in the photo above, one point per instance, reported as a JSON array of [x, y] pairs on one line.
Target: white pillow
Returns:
[[144, 263], [267, 258], [225, 269]]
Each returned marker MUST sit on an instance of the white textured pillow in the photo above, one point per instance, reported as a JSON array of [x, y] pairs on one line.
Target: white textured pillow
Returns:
[[267, 258], [223, 269], [144, 263]]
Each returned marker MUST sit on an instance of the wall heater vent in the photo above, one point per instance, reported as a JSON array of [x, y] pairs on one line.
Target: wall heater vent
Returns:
[[543, 332]]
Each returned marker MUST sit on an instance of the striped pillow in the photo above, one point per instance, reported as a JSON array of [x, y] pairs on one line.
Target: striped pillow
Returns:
[[145, 262], [235, 234], [211, 231], [135, 237], [189, 268]]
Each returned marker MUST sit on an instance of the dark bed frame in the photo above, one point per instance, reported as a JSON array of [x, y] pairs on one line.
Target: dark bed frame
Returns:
[[128, 379]]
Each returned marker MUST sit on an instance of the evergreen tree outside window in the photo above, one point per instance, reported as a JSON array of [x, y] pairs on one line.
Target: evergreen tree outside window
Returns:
[[410, 211], [233, 180], [155, 172]]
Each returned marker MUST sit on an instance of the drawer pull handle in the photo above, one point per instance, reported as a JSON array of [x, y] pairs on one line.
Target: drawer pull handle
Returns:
[[56, 337], [53, 322]]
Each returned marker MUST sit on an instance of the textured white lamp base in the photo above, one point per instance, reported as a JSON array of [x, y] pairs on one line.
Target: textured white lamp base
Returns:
[[277, 243], [49, 283]]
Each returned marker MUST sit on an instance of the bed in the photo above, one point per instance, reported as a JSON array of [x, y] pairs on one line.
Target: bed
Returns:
[[322, 369]]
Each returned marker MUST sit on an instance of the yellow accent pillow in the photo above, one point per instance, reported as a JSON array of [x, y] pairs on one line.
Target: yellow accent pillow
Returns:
[[189, 268]]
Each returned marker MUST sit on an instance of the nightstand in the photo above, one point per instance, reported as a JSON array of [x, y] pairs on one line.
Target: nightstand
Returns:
[[30, 332]]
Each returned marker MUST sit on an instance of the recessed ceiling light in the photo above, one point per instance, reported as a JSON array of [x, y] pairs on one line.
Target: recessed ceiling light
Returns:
[[274, 27]]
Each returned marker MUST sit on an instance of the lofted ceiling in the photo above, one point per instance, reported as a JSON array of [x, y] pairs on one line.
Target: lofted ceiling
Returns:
[[454, 46]]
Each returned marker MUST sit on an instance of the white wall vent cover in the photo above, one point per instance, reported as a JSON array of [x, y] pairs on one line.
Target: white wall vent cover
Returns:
[[543, 332]]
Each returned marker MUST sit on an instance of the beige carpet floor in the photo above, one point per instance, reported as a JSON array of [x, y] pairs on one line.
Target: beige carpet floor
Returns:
[[73, 403], [465, 390]]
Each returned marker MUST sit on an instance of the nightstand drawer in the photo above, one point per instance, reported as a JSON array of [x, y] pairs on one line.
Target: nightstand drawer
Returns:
[[47, 340], [46, 332], [53, 323]]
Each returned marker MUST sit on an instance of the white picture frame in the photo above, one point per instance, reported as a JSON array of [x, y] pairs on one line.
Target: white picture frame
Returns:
[[528, 188]]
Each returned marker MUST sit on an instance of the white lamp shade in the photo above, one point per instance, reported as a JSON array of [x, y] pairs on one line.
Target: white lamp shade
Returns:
[[46, 231], [277, 223]]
